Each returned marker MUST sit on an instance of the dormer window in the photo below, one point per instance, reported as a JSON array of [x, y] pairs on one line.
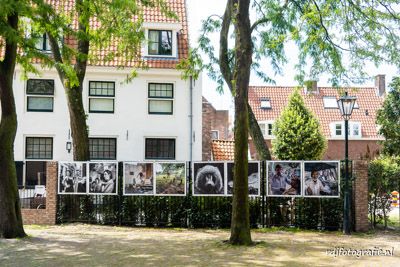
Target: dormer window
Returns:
[[330, 102], [160, 42], [161, 39], [265, 103]]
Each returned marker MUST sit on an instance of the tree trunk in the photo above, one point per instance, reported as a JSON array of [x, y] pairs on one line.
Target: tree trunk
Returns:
[[10, 212], [257, 136], [240, 225], [79, 128], [78, 125]]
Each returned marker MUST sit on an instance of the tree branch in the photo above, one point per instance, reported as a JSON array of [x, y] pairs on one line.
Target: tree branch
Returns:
[[223, 42]]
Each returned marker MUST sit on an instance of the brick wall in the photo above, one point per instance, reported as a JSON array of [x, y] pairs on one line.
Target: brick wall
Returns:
[[213, 120], [360, 195], [208, 113], [358, 149], [47, 215]]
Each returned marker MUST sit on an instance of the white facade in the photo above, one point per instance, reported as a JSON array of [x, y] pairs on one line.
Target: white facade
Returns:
[[130, 123]]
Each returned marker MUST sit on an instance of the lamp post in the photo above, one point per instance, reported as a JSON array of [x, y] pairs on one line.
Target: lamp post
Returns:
[[346, 104]]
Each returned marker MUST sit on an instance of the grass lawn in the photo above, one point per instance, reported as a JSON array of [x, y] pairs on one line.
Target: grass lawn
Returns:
[[90, 245]]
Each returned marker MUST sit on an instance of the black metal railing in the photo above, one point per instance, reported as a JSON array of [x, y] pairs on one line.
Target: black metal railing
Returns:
[[199, 211]]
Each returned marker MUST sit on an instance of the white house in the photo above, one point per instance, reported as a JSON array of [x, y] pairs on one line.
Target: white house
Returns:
[[156, 116]]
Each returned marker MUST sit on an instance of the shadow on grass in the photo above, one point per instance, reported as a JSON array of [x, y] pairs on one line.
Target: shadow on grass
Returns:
[[104, 246]]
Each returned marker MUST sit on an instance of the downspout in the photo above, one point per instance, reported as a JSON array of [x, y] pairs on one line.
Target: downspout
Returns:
[[191, 119]]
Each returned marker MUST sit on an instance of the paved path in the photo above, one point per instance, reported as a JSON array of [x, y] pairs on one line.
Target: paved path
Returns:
[[87, 245]]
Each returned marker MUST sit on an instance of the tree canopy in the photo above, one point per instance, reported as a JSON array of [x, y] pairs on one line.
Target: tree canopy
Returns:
[[335, 37], [297, 132], [388, 118]]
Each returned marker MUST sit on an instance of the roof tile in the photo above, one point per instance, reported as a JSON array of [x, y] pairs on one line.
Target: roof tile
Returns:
[[367, 99]]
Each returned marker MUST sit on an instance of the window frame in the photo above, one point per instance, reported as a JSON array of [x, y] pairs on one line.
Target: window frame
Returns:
[[43, 38], [160, 98], [39, 158], [159, 139], [103, 138], [266, 125], [351, 134], [353, 124], [94, 97], [159, 31], [39, 95], [336, 129], [214, 131]]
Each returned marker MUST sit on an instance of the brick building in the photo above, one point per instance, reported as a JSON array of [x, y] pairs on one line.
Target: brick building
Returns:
[[215, 129], [268, 102]]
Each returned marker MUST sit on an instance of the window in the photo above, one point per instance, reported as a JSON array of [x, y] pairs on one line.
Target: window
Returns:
[[161, 98], [269, 129], [35, 173], [40, 95], [338, 129], [43, 42], [214, 134], [160, 42], [157, 148], [39, 148], [353, 131], [266, 129], [262, 127], [101, 97], [103, 148], [330, 102], [265, 103], [19, 167]]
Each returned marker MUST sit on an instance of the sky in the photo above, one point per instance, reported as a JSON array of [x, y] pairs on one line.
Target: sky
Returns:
[[199, 10]]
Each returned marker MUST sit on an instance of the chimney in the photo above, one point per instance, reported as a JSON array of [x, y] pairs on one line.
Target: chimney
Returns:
[[311, 87], [380, 84]]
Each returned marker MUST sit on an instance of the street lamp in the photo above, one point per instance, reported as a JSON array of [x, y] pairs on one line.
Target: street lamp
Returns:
[[346, 104]]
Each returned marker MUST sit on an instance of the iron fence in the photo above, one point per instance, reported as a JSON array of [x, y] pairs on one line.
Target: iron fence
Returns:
[[199, 211]]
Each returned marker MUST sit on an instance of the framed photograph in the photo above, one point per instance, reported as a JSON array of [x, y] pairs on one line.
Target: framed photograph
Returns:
[[103, 178], [321, 178], [208, 178], [253, 178], [72, 178], [284, 178], [138, 178], [170, 178]]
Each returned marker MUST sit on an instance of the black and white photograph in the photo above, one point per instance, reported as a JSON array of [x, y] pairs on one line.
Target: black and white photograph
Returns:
[[72, 178], [253, 178], [321, 178], [208, 178], [170, 178], [138, 178], [103, 178], [284, 178]]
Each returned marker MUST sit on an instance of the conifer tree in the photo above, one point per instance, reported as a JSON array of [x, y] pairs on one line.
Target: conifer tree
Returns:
[[298, 133]]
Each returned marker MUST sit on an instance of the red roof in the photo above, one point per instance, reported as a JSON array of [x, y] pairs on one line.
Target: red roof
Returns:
[[367, 99], [223, 150], [150, 15]]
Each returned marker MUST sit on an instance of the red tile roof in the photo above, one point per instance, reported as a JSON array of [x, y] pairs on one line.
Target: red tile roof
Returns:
[[223, 150], [150, 15], [367, 99]]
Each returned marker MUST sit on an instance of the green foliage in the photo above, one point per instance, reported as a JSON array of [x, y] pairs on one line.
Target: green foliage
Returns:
[[383, 178], [297, 133], [388, 117], [335, 37]]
